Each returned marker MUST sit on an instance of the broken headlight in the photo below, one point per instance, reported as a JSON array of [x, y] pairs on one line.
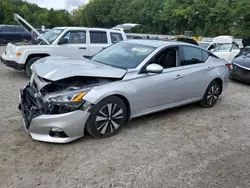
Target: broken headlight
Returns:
[[70, 99]]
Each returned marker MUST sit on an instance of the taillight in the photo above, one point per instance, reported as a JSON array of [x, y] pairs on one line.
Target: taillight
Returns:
[[228, 65]]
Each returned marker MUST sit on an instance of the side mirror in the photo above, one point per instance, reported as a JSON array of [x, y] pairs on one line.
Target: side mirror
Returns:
[[63, 41], [212, 50], [154, 68]]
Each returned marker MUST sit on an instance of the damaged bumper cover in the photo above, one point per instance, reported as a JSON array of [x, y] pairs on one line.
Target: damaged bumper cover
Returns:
[[56, 128]]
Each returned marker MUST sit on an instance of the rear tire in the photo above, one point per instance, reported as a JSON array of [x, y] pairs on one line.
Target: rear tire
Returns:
[[107, 117], [28, 65], [211, 95]]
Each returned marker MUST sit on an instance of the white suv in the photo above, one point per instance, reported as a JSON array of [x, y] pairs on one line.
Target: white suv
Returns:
[[74, 42]]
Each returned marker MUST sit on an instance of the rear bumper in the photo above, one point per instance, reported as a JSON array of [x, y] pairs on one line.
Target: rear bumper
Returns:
[[240, 74], [241, 78], [11, 63]]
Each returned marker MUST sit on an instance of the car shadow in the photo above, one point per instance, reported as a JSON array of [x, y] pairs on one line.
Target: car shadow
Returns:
[[240, 82]]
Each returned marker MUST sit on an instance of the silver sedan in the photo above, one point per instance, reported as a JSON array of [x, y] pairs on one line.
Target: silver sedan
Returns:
[[129, 79]]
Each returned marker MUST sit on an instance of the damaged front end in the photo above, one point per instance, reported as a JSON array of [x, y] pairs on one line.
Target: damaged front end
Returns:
[[55, 111]]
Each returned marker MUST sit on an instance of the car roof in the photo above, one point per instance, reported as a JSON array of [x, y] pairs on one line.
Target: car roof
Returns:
[[157, 43], [98, 29]]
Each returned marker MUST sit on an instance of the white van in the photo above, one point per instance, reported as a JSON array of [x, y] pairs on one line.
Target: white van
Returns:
[[74, 42]]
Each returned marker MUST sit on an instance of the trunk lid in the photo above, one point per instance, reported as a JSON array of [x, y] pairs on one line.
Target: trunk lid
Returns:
[[29, 28], [57, 68]]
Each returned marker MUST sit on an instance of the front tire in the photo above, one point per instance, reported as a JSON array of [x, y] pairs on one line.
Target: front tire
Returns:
[[211, 95], [107, 117], [28, 65]]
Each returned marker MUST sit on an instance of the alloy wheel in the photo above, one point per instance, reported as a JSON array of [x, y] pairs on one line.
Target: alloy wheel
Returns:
[[109, 119], [213, 95]]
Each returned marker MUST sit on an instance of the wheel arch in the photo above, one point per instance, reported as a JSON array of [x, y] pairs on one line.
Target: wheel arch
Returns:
[[219, 80], [124, 99], [36, 55]]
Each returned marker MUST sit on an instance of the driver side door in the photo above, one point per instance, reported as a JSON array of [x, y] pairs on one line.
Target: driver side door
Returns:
[[157, 91], [76, 46]]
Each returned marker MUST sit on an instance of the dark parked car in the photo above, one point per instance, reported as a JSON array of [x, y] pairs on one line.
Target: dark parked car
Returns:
[[13, 33], [241, 68]]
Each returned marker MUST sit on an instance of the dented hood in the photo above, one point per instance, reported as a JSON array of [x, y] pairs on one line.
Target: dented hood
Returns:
[[57, 68]]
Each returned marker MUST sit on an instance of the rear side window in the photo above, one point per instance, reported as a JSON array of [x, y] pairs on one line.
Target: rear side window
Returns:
[[191, 55], [98, 37], [116, 37], [8, 29]]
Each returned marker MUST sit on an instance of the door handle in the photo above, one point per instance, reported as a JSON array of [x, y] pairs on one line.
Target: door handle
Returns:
[[82, 48], [209, 68], [178, 77]]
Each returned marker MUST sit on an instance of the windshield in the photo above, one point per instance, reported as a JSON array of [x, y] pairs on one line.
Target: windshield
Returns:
[[204, 45], [52, 35], [123, 55]]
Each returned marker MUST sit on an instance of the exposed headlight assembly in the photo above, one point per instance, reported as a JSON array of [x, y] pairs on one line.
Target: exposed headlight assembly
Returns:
[[68, 99]]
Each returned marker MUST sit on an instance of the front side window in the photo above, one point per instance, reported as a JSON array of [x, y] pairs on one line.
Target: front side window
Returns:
[[191, 55], [116, 37], [124, 55], [167, 58], [224, 47], [98, 37], [76, 37], [52, 35]]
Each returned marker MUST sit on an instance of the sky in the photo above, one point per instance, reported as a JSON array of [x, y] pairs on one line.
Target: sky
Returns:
[[59, 4]]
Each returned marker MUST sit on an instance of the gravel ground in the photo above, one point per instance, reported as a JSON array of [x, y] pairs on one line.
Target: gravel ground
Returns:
[[187, 147]]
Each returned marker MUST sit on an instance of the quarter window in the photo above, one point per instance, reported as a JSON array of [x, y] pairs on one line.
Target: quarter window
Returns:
[[205, 55], [98, 37], [191, 56], [76, 37], [116, 37]]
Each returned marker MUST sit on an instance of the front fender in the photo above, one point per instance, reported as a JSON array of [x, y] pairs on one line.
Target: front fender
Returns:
[[101, 92], [31, 51]]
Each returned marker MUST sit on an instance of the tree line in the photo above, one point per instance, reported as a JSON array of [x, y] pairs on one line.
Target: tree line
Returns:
[[202, 17]]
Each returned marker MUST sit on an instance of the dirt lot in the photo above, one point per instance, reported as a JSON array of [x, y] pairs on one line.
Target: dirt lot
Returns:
[[185, 147]]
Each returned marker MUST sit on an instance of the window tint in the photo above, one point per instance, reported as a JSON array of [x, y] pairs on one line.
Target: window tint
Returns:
[[19, 29], [213, 47], [98, 37], [191, 56], [166, 58], [224, 47], [116, 37], [235, 47], [8, 29], [76, 37], [205, 55]]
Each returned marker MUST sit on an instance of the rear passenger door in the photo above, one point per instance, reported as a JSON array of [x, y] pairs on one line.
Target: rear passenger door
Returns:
[[98, 41], [196, 73], [76, 46]]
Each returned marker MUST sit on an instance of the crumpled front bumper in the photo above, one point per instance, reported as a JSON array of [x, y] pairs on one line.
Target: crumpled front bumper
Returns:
[[40, 125], [72, 124]]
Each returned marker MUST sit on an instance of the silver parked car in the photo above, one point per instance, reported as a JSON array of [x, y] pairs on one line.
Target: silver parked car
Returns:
[[133, 78]]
